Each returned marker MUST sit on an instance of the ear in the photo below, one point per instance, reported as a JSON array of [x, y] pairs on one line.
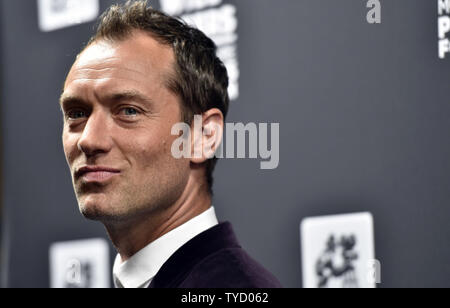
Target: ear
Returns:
[[208, 134]]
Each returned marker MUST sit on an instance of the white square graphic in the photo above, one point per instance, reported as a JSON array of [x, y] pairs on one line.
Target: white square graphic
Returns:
[[58, 14], [338, 252], [80, 264]]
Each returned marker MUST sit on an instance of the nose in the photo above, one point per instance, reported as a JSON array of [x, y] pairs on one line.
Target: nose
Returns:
[[96, 137]]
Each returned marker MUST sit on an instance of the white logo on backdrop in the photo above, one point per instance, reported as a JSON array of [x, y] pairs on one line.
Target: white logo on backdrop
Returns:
[[443, 27], [218, 21], [339, 252], [80, 264], [57, 14]]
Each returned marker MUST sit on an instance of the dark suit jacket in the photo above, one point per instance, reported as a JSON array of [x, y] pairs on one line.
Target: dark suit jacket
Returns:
[[213, 259]]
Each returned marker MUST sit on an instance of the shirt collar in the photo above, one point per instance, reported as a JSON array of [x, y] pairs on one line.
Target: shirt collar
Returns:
[[140, 269]]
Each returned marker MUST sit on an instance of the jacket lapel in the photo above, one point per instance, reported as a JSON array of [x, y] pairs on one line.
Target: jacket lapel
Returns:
[[180, 264]]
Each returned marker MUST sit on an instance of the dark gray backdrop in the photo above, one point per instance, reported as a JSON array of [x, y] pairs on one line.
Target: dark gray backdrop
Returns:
[[364, 118]]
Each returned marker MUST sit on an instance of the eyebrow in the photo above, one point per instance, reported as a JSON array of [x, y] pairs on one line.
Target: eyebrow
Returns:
[[130, 95], [70, 100]]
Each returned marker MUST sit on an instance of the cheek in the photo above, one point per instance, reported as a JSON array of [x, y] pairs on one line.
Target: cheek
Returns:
[[70, 147], [154, 152], [149, 149]]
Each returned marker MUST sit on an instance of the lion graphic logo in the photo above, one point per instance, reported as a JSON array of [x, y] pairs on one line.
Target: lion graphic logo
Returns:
[[335, 267]]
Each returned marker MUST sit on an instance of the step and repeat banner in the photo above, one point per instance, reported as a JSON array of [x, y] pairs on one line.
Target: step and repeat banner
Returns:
[[347, 184]]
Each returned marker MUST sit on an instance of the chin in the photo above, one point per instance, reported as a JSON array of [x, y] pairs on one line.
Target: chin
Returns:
[[104, 211], [97, 209], [93, 212]]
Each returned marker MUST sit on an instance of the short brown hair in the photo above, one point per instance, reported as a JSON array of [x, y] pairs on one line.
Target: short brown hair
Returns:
[[200, 79]]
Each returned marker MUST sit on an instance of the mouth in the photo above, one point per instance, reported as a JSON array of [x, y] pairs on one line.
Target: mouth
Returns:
[[95, 174]]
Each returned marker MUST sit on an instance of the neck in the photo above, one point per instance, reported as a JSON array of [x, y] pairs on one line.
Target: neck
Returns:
[[132, 236]]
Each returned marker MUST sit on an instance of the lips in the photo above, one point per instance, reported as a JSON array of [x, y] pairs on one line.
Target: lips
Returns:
[[96, 173]]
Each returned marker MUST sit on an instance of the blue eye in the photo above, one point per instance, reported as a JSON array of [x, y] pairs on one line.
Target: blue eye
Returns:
[[76, 114], [130, 111]]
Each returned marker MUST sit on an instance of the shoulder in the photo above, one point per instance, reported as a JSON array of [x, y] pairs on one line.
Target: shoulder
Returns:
[[230, 268]]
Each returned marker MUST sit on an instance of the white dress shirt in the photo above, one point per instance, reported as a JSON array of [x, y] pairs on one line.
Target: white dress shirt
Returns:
[[140, 269]]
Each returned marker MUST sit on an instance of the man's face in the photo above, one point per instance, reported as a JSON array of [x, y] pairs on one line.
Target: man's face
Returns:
[[118, 116]]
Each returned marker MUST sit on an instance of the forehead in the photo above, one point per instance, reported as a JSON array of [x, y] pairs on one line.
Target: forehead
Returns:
[[139, 59]]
